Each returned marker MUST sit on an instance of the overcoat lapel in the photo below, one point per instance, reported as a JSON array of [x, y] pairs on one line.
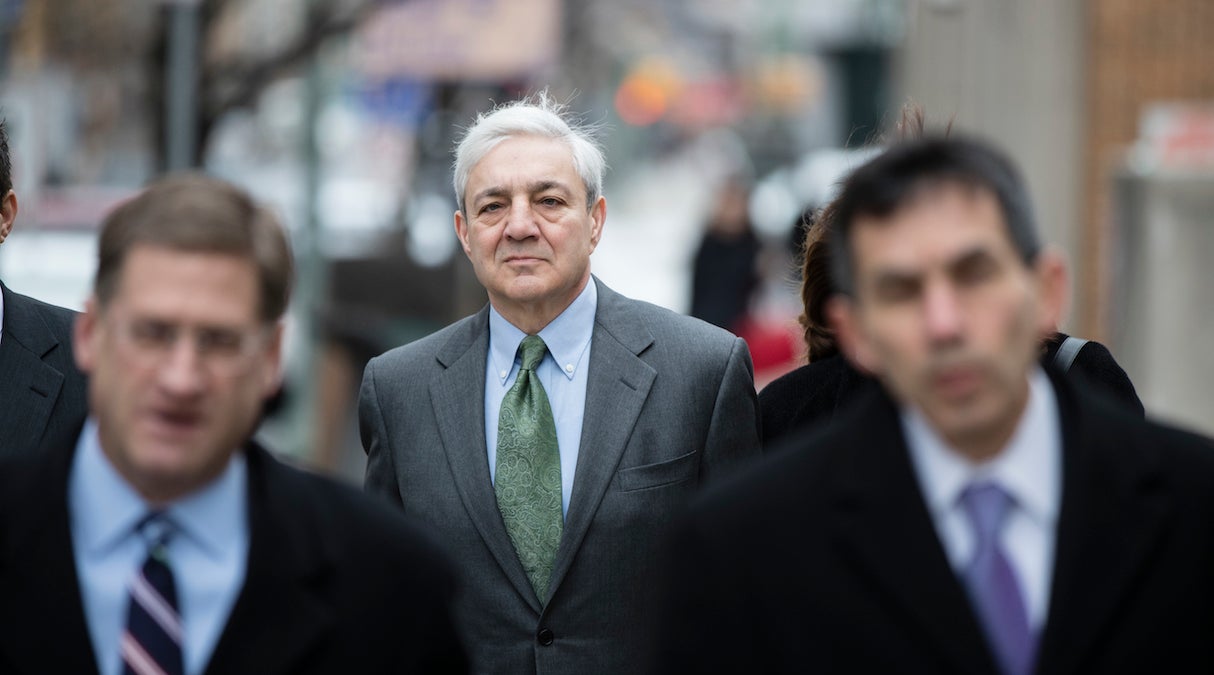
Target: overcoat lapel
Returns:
[[1114, 509], [458, 398], [618, 384], [42, 625], [885, 527], [281, 613], [26, 340]]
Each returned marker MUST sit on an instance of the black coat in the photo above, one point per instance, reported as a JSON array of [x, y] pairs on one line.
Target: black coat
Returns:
[[42, 395], [336, 583], [824, 558], [816, 391]]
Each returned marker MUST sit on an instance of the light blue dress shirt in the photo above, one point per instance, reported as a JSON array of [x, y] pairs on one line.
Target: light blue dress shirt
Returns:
[[562, 372], [1029, 469], [208, 552]]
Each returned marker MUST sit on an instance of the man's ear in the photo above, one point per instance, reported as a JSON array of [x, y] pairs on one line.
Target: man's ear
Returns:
[[461, 231], [84, 336], [844, 320], [598, 216], [8, 214], [273, 355], [1054, 290]]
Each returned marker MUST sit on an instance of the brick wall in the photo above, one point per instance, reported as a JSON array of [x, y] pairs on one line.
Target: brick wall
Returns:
[[1139, 52]]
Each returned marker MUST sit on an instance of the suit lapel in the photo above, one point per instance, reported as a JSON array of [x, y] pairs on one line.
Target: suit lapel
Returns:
[[1113, 513], [281, 612], [885, 528], [618, 384], [459, 407], [42, 625], [26, 340]]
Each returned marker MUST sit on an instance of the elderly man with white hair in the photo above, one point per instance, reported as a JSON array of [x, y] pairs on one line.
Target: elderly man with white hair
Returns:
[[549, 438]]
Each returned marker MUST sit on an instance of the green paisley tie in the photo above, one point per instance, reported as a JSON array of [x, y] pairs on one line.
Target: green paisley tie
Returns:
[[528, 475]]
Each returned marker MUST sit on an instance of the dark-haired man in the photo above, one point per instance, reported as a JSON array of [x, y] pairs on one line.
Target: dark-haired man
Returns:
[[163, 540], [42, 399], [974, 514]]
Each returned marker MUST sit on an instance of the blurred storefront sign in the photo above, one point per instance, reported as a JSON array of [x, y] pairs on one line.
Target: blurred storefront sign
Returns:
[[489, 40], [1163, 244], [1176, 136], [76, 207]]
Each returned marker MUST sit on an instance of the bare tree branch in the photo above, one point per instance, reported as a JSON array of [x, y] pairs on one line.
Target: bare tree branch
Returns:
[[236, 84]]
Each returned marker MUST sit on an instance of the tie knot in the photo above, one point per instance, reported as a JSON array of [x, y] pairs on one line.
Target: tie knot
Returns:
[[156, 530], [533, 350], [987, 506]]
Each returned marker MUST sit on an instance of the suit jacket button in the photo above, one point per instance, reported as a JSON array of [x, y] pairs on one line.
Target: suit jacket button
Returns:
[[545, 637]]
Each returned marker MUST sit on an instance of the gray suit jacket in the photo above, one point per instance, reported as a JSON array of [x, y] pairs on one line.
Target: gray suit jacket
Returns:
[[670, 403], [42, 395]]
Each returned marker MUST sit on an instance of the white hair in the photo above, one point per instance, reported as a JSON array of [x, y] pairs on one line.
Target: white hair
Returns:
[[538, 115]]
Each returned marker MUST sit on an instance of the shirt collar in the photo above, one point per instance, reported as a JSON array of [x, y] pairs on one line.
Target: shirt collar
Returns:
[[105, 509], [567, 336], [1028, 469]]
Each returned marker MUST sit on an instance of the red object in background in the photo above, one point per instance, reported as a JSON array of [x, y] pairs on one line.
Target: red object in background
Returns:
[[776, 347]]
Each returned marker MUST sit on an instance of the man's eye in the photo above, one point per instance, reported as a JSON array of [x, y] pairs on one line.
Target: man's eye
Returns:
[[975, 271], [550, 201], [490, 208], [223, 342], [153, 333], [897, 291]]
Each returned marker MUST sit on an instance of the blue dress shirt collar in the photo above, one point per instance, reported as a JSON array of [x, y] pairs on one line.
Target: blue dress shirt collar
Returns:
[[567, 336]]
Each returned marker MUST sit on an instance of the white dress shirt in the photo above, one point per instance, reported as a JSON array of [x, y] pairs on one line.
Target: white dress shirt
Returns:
[[562, 372], [208, 552], [1029, 469]]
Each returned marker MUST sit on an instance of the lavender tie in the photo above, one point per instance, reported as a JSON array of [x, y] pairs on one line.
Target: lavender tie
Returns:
[[992, 584]]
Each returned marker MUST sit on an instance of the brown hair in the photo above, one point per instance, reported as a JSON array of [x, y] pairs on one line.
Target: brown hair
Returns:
[[197, 213], [6, 162], [817, 286]]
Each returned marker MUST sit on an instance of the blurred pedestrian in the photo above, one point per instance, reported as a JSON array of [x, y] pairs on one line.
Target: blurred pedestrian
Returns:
[[42, 397], [550, 437], [164, 540], [726, 269], [973, 514]]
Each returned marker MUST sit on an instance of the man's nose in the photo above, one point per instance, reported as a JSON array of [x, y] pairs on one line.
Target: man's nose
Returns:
[[943, 316], [182, 372], [520, 220]]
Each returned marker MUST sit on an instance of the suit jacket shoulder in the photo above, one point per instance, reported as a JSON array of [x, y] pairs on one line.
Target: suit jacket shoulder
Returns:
[[1095, 364], [811, 394], [44, 394], [438, 348], [639, 324]]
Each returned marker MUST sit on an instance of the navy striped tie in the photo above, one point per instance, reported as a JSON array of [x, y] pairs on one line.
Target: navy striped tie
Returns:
[[151, 644]]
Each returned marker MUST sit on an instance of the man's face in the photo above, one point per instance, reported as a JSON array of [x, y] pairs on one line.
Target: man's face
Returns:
[[179, 364], [947, 315], [527, 230]]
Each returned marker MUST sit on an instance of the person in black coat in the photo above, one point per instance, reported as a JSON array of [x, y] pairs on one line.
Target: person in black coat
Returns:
[[42, 400], [974, 513], [158, 537]]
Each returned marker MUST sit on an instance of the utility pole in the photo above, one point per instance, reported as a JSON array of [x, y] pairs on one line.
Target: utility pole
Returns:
[[181, 85]]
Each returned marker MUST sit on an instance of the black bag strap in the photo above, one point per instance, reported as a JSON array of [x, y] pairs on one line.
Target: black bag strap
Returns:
[[1067, 352]]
